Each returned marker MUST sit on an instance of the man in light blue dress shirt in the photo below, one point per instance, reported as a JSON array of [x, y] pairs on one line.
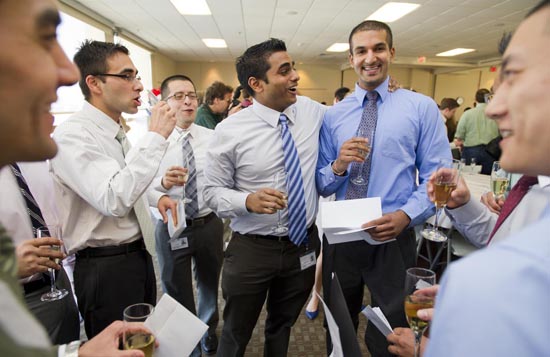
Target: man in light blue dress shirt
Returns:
[[410, 137]]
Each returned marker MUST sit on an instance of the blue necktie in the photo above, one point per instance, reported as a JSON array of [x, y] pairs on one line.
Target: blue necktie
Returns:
[[367, 125], [191, 208], [297, 225]]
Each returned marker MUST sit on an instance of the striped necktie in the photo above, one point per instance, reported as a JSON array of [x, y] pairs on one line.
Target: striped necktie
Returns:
[[33, 210], [192, 207], [297, 225], [367, 125], [140, 207]]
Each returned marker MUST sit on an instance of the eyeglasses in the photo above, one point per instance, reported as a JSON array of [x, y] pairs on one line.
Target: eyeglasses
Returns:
[[181, 96], [127, 77]]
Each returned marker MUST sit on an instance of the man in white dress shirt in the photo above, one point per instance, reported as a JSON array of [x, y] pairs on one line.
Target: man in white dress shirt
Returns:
[[202, 241], [245, 156], [101, 182]]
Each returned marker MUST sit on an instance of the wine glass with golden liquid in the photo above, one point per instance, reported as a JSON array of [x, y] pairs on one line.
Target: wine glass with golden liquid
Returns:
[[500, 181], [447, 175], [54, 294], [142, 341], [359, 179], [279, 183], [417, 278]]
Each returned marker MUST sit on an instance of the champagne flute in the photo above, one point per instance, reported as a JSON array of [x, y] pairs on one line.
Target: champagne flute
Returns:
[[279, 183], [359, 179], [417, 278], [142, 341], [473, 165], [54, 293], [500, 181], [447, 174]]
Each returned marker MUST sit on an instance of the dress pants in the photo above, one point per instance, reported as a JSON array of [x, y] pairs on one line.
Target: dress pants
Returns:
[[482, 157], [59, 317], [106, 285], [255, 269], [205, 251], [382, 268]]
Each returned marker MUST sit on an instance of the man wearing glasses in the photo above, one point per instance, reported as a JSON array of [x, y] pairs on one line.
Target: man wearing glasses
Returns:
[[202, 241], [100, 183]]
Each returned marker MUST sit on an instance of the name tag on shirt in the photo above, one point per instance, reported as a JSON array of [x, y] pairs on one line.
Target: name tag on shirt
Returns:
[[307, 260], [179, 243]]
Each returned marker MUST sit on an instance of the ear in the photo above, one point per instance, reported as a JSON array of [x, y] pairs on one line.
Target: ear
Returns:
[[350, 58], [392, 54], [94, 84], [256, 84]]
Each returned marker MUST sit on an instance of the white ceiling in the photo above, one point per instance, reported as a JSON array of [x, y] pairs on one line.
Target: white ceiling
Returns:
[[309, 27]]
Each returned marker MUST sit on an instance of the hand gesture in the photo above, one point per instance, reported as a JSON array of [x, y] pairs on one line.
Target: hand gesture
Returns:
[[459, 197], [388, 226], [164, 204], [495, 206], [351, 151], [35, 256], [163, 119], [265, 201], [174, 176]]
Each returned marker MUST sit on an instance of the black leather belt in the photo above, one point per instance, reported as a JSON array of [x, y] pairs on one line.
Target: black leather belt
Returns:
[[201, 221], [113, 250], [38, 284], [277, 238]]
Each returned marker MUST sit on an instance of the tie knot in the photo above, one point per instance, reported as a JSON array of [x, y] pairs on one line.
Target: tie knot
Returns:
[[372, 95], [121, 135], [283, 119]]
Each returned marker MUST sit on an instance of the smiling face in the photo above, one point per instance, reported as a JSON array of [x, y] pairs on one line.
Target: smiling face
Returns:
[[32, 67], [185, 109], [279, 91], [370, 57], [520, 105]]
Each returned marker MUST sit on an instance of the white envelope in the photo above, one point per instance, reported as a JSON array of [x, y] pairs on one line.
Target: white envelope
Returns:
[[377, 317], [176, 329], [175, 230]]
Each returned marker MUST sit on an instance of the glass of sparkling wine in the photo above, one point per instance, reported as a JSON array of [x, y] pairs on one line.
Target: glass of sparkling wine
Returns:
[[500, 181], [417, 278], [279, 183], [447, 175], [54, 293], [359, 179], [138, 340]]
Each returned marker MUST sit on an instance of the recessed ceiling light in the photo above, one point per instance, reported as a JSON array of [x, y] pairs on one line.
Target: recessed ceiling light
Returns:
[[338, 47], [455, 52], [392, 11], [214, 42], [191, 7]]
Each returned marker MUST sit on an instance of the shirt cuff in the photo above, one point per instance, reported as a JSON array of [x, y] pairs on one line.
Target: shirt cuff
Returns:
[[69, 350], [468, 212]]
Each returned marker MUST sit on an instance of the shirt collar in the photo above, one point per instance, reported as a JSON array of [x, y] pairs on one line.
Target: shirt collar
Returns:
[[180, 133], [101, 120], [543, 180], [382, 90], [271, 116]]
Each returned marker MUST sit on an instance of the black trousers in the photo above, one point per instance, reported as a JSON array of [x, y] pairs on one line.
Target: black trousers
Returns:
[[106, 285], [255, 269], [59, 317], [382, 268]]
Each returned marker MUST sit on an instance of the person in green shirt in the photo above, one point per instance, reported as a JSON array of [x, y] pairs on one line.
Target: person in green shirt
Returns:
[[216, 103]]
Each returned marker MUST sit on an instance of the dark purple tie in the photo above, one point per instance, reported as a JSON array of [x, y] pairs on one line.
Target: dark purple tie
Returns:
[[516, 195]]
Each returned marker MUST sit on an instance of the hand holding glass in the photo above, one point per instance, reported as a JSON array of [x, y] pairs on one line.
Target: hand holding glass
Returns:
[[142, 341], [279, 183], [359, 179], [54, 293], [500, 181]]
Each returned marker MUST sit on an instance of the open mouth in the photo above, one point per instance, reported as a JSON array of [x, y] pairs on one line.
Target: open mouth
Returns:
[[137, 101], [293, 89]]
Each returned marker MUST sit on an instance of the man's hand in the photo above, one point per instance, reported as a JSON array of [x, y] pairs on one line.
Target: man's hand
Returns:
[[495, 206], [163, 119], [402, 342], [265, 201], [107, 341], [459, 143], [459, 197], [427, 314], [164, 204], [35, 256], [174, 176], [388, 226], [351, 152]]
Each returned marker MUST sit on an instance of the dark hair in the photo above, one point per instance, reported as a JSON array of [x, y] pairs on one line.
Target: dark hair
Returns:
[[253, 62], [538, 7], [448, 103], [371, 25], [91, 59], [504, 41], [341, 93], [177, 77], [480, 95], [216, 90]]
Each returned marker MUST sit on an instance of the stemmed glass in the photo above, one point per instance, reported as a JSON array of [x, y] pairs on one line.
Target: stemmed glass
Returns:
[[359, 179], [500, 180], [447, 175], [279, 183], [473, 165], [54, 293], [142, 341], [417, 278]]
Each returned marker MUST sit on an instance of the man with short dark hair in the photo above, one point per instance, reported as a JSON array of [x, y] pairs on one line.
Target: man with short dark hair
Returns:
[[216, 103], [340, 94], [101, 181], [447, 108]]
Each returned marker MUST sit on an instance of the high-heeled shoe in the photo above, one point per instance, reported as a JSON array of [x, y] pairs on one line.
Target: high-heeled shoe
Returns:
[[312, 315]]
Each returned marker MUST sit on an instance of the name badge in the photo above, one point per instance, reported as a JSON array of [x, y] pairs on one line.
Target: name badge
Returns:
[[179, 243], [307, 260]]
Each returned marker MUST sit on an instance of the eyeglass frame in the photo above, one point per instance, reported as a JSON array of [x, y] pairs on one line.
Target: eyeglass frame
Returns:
[[130, 78], [190, 95]]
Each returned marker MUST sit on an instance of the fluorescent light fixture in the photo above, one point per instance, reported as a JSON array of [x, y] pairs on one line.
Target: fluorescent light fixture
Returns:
[[392, 11], [338, 47], [191, 7], [455, 52], [214, 42]]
